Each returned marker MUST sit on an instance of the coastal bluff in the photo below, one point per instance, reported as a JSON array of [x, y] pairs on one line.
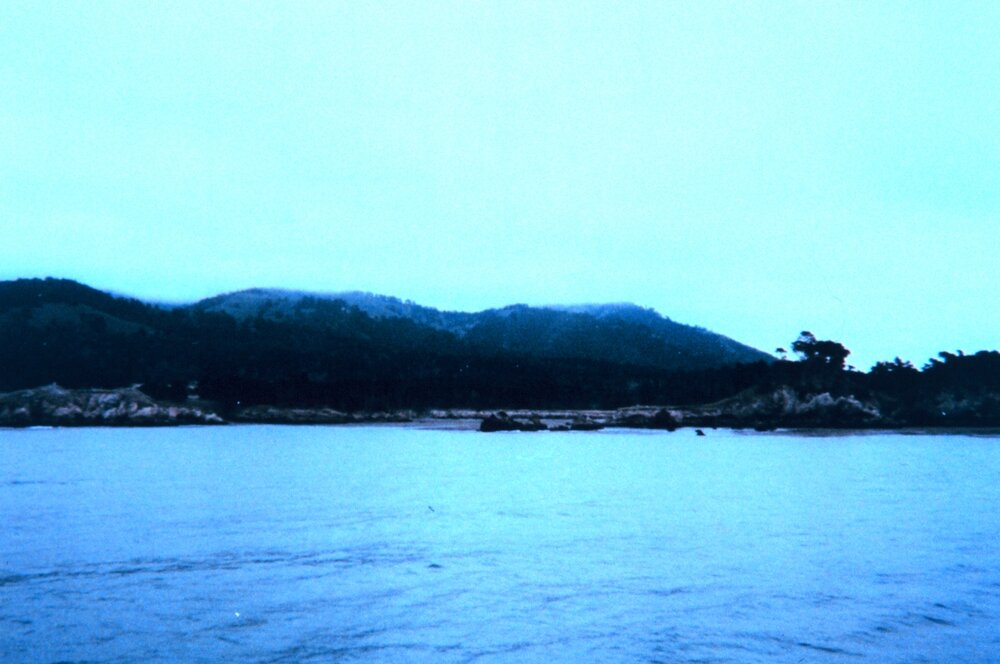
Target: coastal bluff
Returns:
[[53, 405]]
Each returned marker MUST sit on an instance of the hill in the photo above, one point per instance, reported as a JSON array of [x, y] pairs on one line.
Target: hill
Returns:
[[349, 350], [619, 333]]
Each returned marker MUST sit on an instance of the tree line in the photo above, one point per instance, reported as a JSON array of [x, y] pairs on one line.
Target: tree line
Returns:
[[338, 356]]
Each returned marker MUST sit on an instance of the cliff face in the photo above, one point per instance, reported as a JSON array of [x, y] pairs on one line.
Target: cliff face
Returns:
[[55, 406]]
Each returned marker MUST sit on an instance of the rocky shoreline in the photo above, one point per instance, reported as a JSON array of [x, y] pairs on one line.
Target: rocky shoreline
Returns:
[[130, 407], [56, 406]]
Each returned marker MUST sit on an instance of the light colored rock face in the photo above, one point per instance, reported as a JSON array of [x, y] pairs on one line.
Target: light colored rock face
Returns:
[[786, 406], [55, 406], [849, 404]]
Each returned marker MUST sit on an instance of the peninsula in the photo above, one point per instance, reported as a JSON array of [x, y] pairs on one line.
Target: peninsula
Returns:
[[71, 355]]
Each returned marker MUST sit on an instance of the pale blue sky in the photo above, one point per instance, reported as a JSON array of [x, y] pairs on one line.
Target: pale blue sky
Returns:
[[755, 168]]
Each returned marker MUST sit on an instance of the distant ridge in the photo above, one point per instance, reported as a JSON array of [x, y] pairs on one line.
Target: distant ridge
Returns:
[[275, 302], [619, 332], [351, 350]]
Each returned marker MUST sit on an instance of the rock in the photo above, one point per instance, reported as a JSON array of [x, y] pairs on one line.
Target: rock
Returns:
[[585, 425], [55, 406], [503, 422], [660, 419], [276, 415]]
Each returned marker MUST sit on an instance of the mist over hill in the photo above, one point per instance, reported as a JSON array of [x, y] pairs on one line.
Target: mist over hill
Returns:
[[351, 350], [622, 333]]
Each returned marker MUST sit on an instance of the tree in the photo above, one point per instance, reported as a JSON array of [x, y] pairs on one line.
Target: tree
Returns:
[[820, 352]]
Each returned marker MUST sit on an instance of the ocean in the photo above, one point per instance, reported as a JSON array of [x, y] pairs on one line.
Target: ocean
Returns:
[[423, 544]]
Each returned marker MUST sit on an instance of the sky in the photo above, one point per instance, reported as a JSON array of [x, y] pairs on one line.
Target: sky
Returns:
[[755, 168]]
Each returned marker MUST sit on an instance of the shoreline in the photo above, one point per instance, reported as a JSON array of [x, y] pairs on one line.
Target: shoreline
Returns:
[[782, 409], [434, 424]]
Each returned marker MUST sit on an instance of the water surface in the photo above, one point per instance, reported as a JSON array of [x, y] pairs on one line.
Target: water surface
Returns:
[[273, 544]]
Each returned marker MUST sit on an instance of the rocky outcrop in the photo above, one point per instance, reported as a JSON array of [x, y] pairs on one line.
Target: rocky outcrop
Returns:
[[277, 415], [56, 406], [590, 420], [763, 411], [501, 421], [784, 407], [661, 418], [584, 424]]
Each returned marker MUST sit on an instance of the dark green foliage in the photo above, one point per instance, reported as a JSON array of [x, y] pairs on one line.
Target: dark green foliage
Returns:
[[317, 351], [321, 351], [622, 333], [825, 354]]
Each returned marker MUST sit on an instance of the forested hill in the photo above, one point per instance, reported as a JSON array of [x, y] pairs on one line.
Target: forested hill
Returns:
[[620, 333], [349, 350]]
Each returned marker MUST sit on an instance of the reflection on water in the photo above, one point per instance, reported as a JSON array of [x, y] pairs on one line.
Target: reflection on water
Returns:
[[272, 544]]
